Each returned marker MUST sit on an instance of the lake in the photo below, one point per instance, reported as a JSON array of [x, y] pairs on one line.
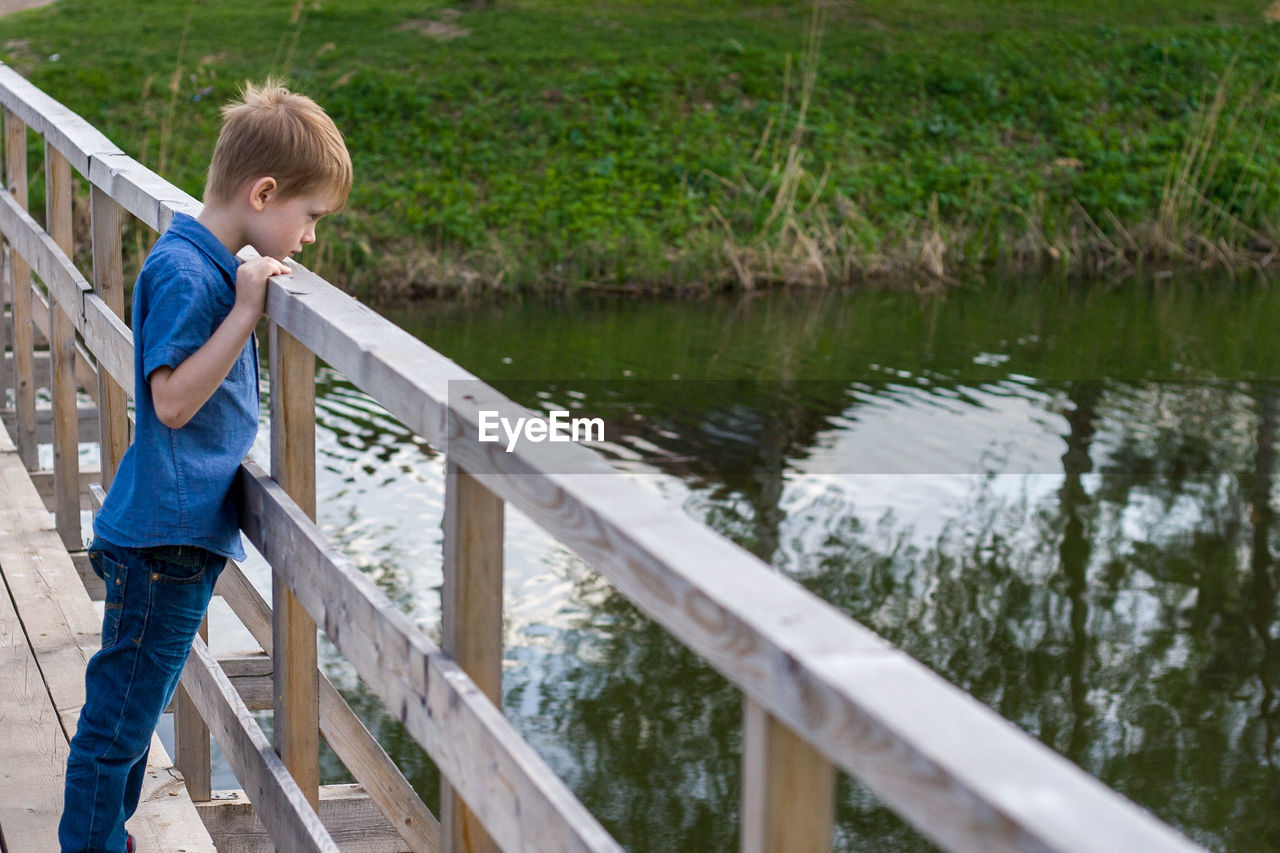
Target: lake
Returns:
[[1059, 498]]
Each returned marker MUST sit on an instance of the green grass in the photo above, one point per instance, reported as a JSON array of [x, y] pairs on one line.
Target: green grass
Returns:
[[655, 144]]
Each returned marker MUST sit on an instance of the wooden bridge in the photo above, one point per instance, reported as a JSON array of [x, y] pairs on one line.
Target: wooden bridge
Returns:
[[821, 693]]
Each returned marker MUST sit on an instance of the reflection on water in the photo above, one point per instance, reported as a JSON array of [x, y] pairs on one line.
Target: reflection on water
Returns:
[[1061, 501]]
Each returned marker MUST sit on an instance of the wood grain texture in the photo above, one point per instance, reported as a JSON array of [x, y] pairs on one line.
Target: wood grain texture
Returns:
[[472, 593], [88, 428], [103, 329], [47, 258], [293, 465], [166, 820], [350, 740], [142, 192], [521, 803], [72, 136], [62, 346], [93, 585], [44, 367], [39, 340], [33, 750], [108, 282], [43, 481], [15, 155], [47, 591], [346, 811], [788, 789], [86, 374], [66, 432], [6, 297], [473, 533], [68, 288], [43, 373], [280, 803], [192, 755], [110, 340], [250, 674]]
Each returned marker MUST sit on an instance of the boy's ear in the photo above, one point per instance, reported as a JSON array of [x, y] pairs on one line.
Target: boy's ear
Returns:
[[262, 191]]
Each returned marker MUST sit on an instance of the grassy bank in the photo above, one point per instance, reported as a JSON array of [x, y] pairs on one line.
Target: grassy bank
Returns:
[[708, 144]]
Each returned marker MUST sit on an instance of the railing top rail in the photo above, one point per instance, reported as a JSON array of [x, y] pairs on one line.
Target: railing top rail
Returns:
[[957, 770], [136, 188]]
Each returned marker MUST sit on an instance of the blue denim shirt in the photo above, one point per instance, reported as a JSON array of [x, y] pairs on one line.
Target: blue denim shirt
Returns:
[[174, 485]]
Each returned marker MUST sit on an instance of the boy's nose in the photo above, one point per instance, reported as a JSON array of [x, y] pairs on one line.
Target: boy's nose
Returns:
[[309, 236]]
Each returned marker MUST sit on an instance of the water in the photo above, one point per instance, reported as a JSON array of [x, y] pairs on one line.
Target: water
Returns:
[[1060, 499]]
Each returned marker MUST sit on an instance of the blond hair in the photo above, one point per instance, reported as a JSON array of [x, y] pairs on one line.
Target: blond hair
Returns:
[[273, 132]]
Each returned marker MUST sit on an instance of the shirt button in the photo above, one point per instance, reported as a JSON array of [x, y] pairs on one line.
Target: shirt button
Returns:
[[117, 581], [155, 576]]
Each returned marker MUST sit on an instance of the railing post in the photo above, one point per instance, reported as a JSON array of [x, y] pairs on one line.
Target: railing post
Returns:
[[24, 397], [191, 741], [62, 348], [296, 725], [6, 303], [788, 789], [472, 618], [108, 283]]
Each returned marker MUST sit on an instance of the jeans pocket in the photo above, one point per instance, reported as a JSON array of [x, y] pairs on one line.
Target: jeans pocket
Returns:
[[178, 564], [115, 577], [95, 563]]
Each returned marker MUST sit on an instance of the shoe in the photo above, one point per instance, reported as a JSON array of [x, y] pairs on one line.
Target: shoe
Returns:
[[129, 845]]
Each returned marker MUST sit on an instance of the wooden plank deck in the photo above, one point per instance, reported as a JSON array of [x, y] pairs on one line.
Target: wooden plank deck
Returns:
[[48, 631]]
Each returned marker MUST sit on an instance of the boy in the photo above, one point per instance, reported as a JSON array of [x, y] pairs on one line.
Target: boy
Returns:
[[170, 522]]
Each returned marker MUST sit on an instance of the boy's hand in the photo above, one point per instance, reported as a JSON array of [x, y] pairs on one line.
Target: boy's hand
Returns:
[[251, 284]]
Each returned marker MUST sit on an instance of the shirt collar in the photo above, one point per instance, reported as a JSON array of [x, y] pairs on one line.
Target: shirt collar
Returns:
[[202, 238]]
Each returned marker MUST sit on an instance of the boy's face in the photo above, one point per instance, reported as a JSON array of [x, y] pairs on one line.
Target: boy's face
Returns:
[[284, 225]]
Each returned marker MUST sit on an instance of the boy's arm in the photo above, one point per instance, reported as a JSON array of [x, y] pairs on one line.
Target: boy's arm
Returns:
[[179, 392]]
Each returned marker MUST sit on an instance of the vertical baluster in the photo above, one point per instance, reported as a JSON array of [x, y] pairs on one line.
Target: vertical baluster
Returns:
[[191, 741], [108, 282], [62, 348], [24, 404], [6, 303], [473, 518], [788, 789], [293, 465], [6, 300]]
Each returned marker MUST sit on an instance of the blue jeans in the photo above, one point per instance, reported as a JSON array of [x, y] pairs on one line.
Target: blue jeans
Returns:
[[156, 599]]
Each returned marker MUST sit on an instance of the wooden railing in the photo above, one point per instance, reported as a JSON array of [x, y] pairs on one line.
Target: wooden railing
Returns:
[[821, 692]]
